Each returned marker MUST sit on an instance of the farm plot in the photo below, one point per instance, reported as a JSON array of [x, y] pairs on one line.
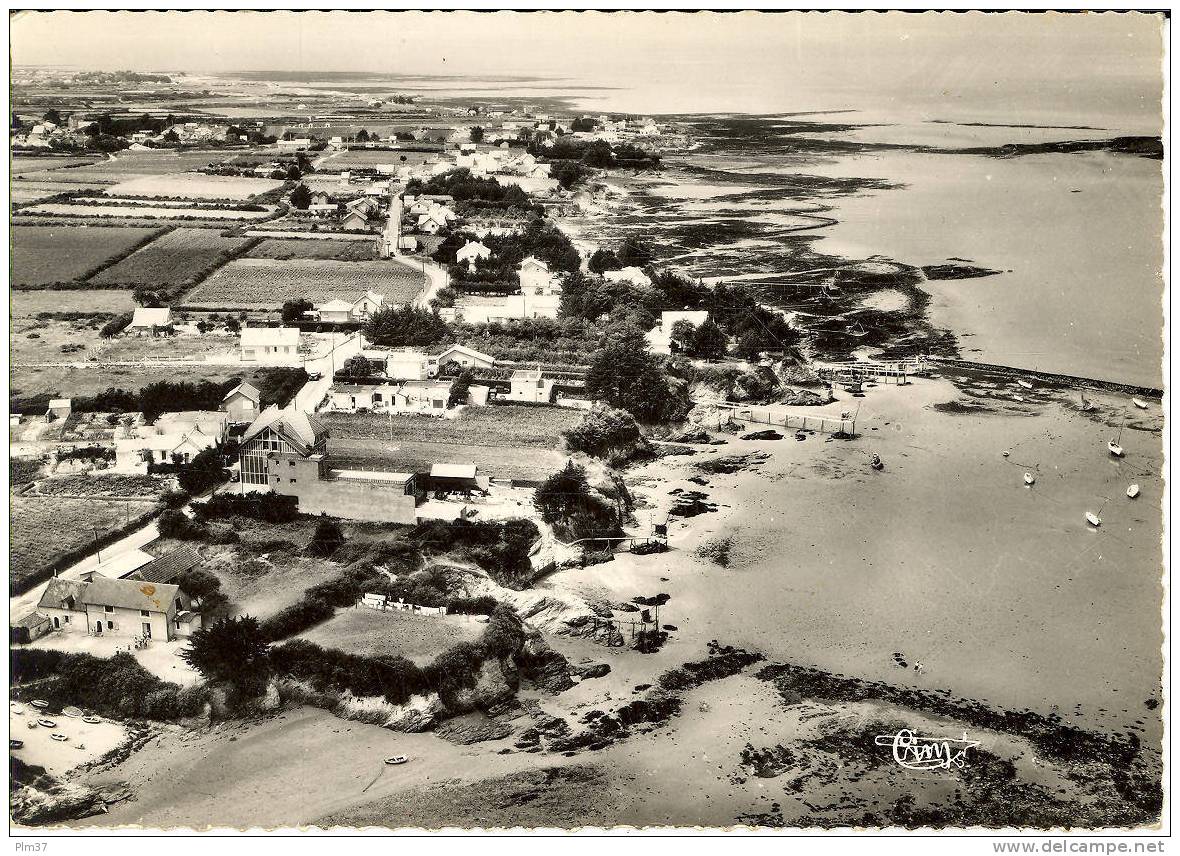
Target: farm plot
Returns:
[[25, 192], [267, 283], [160, 212], [374, 158], [61, 301], [370, 633], [127, 165], [43, 255], [20, 165], [500, 425], [49, 531], [187, 185], [104, 485], [181, 257], [314, 248]]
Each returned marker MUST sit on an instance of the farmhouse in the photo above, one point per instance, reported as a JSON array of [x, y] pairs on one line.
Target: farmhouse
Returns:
[[536, 278], [149, 320], [62, 603], [478, 310], [241, 404], [29, 628], [354, 221], [136, 608], [285, 452], [175, 437], [169, 567], [531, 385], [273, 346]]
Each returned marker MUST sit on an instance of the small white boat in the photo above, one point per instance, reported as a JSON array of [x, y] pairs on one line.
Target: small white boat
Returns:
[[396, 760], [39, 703], [1030, 479], [1085, 406], [1133, 491], [1142, 405], [1025, 384], [1093, 519], [857, 330], [15, 744], [16, 708], [72, 711], [59, 737], [1005, 453], [47, 723], [1018, 398], [1115, 448], [92, 720]]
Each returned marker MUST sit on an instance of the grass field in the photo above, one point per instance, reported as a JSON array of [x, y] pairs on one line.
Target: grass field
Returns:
[[34, 191], [370, 633], [501, 425], [177, 258], [314, 248], [127, 164], [267, 283], [27, 303], [43, 530], [368, 157], [42, 255], [154, 212], [130, 348], [519, 463], [22, 165], [98, 485], [190, 185]]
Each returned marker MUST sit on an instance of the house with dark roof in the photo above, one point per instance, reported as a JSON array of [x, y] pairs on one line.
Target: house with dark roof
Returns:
[[242, 403], [135, 608], [169, 567], [62, 603]]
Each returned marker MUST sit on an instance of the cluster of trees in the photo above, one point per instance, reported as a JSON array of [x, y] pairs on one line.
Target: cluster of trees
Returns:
[[574, 509], [205, 590], [293, 310], [118, 687], [606, 433], [632, 253], [626, 376], [499, 547], [405, 326], [268, 507], [156, 398], [706, 340], [551, 340], [465, 187], [596, 153]]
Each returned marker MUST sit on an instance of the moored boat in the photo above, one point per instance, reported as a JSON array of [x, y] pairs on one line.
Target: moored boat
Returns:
[[394, 760], [1142, 405], [72, 711], [1133, 491], [1025, 384], [15, 744], [876, 463], [47, 723], [1115, 448], [59, 737], [39, 703], [92, 720], [1093, 519], [857, 330], [1029, 479]]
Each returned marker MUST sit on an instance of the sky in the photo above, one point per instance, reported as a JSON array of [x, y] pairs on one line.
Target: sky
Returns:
[[1019, 63]]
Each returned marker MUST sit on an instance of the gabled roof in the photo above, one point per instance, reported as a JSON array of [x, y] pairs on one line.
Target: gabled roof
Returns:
[[60, 403], [129, 594], [527, 374], [167, 568], [534, 263], [300, 429], [33, 619], [473, 248], [247, 389], [471, 352], [62, 594], [253, 337], [336, 305], [151, 317]]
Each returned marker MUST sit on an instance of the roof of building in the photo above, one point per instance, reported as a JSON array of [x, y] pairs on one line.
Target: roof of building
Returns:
[[373, 475], [167, 568], [453, 471], [473, 247], [471, 352], [59, 403], [247, 389], [627, 274], [59, 594], [130, 594], [144, 317], [272, 336], [33, 619], [534, 262], [336, 305], [527, 374], [301, 430]]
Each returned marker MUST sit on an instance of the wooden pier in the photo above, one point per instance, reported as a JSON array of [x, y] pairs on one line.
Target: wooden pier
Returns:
[[777, 416]]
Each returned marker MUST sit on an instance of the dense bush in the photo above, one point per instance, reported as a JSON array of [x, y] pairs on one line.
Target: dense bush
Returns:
[[116, 687], [499, 547], [399, 326], [269, 507], [231, 650], [605, 433], [203, 473], [296, 618], [116, 325]]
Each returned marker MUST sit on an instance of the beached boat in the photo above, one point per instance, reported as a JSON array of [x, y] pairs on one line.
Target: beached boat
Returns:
[[92, 720], [59, 737], [1133, 491], [1115, 448], [396, 759], [47, 723], [1025, 384], [1018, 398], [857, 330], [876, 463], [15, 744], [72, 711], [1142, 405], [1030, 479], [1093, 519], [39, 703], [15, 708], [1085, 406], [1005, 453]]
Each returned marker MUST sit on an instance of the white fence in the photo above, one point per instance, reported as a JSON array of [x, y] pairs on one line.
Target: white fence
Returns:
[[384, 604]]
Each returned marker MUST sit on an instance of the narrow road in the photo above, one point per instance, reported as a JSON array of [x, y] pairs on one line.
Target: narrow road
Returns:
[[436, 279], [339, 348]]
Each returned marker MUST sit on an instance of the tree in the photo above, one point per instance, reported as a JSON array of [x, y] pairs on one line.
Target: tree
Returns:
[[204, 588], [233, 325], [626, 376], [359, 366], [682, 334], [293, 310], [362, 136], [562, 494], [604, 260], [476, 134], [232, 650], [751, 344], [327, 539], [709, 342], [459, 388], [401, 326], [635, 254], [605, 432], [301, 197], [170, 136], [52, 116], [203, 473]]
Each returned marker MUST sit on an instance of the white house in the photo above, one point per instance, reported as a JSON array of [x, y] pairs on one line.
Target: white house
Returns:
[[628, 274], [536, 278], [466, 357], [409, 364], [145, 320], [133, 608], [531, 385], [659, 338], [62, 603], [173, 437], [354, 221], [242, 403], [342, 311], [471, 251], [272, 346]]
